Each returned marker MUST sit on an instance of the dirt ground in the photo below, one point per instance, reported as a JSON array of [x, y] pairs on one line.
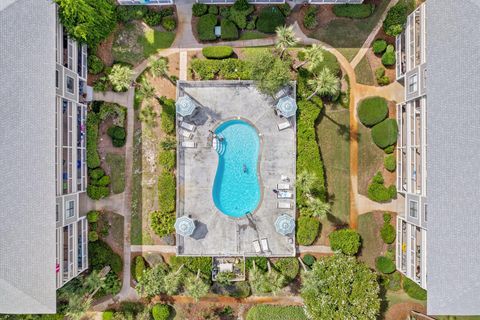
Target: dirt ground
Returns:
[[375, 61], [105, 145], [401, 311], [114, 222]]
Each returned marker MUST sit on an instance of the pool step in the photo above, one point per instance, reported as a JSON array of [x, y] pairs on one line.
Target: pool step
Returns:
[[218, 145]]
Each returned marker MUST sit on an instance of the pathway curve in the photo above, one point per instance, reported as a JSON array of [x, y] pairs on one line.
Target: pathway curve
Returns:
[[366, 45], [281, 300]]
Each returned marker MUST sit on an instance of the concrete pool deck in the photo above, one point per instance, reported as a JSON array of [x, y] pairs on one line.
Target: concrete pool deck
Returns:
[[217, 234]]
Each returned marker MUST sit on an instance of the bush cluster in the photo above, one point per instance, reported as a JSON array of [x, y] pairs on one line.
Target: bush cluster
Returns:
[[380, 76], [346, 241], [199, 9], [206, 27], [379, 46], [152, 18], [387, 232], [269, 19], [414, 290], [388, 58], [354, 11], [161, 312], [385, 265], [289, 267], [229, 30], [310, 19], [307, 230], [162, 223], [118, 136], [101, 255], [397, 17], [228, 69], [285, 9], [377, 191], [390, 163], [93, 216], [385, 133], [98, 185], [217, 52], [129, 13], [372, 110], [139, 267], [169, 23], [95, 64]]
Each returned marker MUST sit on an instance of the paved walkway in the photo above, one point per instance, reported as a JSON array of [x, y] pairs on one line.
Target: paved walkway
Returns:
[[153, 248], [314, 249]]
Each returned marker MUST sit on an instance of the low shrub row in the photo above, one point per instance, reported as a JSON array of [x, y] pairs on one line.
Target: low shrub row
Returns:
[[129, 13], [307, 230], [274, 312], [414, 290], [354, 11], [193, 264], [168, 114], [397, 17], [227, 69], [218, 52]]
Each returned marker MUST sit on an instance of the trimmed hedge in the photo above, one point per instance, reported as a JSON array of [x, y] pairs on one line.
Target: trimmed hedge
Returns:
[[388, 59], [389, 149], [309, 260], [118, 136], [193, 264], [213, 9], [274, 312], [166, 192], [385, 133], [372, 110], [289, 267], [379, 193], [162, 223], [206, 27], [229, 30], [354, 11], [167, 158], [380, 76], [168, 114], [228, 69], [161, 312], [414, 290], [307, 230], [217, 52], [388, 233], [397, 17], [385, 265], [199, 9], [101, 255], [93, 158], [345, 240], [379, 46], [390, 163], [269, 19], [139, 267]]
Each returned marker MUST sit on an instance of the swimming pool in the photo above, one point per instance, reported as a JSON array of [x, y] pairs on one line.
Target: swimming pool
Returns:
[[236, 189]]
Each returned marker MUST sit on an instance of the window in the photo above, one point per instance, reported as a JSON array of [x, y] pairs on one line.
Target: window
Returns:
[[70, 209], [70, 84], [413, 209], [57, 217], [412, 83], [425, 211], [56, 79]]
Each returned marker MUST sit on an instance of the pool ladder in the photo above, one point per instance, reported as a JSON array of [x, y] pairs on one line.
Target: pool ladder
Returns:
[[218, 145]]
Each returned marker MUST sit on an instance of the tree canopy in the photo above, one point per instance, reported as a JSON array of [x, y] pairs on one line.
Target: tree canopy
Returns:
[[270, 72], [339, 287], [87, 21]]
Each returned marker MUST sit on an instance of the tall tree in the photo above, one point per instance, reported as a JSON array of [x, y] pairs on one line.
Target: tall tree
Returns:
[[325, 83], [339, 287], [285, 39], [317, 208], [196, 287], [88, 21], [159, 68], [270, 72], [152, 281], [313, 56]]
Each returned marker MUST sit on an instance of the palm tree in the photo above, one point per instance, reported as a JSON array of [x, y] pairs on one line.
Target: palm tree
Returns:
[[285, 39], [77, 306], [172, 281], [318, 208], [196, 287], [325, 83], [148, 116], [313, 56], [159, 68], [146, 90], [306, 180], [120, 77]]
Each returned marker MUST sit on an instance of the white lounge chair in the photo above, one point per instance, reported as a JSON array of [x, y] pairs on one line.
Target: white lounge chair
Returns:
[[284, 194], [187, 126], [185, 133], [284, 125], [256, 246], [283, 186], [265, 247], [284, 205], [189, 144]]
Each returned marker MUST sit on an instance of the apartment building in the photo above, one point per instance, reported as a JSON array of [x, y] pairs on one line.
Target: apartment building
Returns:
[[43, 236], [411, 149], [70, 155], [168, 2]]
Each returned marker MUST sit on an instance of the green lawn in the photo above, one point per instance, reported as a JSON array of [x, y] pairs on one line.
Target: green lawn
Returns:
[[116, 163], [153, 40], [348, 35], [333, 138], [370, 158], [364, 72], [275, 312], [251, 35], [372, 243]]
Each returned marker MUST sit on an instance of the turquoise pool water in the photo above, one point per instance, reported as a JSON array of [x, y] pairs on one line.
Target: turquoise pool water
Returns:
[[236, 190]]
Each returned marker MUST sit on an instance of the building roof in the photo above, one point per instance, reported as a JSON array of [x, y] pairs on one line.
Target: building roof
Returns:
[[453, 136], [27, 157]]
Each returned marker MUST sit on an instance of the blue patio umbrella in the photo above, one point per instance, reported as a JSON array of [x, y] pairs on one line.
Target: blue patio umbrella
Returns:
[[184, 226], [287, 106], [185, 106], [285, 224]]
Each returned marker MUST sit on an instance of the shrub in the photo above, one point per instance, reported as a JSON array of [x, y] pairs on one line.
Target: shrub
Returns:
[[275, 312], [372, 110], [414, 290], [285, 9], [392, 190], [289, 267], [206, 27], [152, 18], [120, 77], [199, 9], [388, 59], [389, 149], [213, 9], [162, 223], [193, 264], [169, 24], [101, 84], [166, 192], [102, 182], [346, 240], [385, 133], [390, 163], [378, 178], [378, 192], [397, 17], [92, 216], [166, 159], [93, 159], [241, 5], [225, 12], [394, 281], [269, 19], [379, 46], [309, 260], [161, 312], [92, 236], [251, 24], [260, 262], [354, 11], [307, 230], [139, 267], [388, 233], [118, 135], [384, 265], [107, 315], [168, 114], [387, 217], [95, 64], [96, 174], [240, 290], [97, 192], [310, 18], [101, 255], [167, 12], [229, 30], [128, 13], [380, 76], [218, 52], [239, 18]]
